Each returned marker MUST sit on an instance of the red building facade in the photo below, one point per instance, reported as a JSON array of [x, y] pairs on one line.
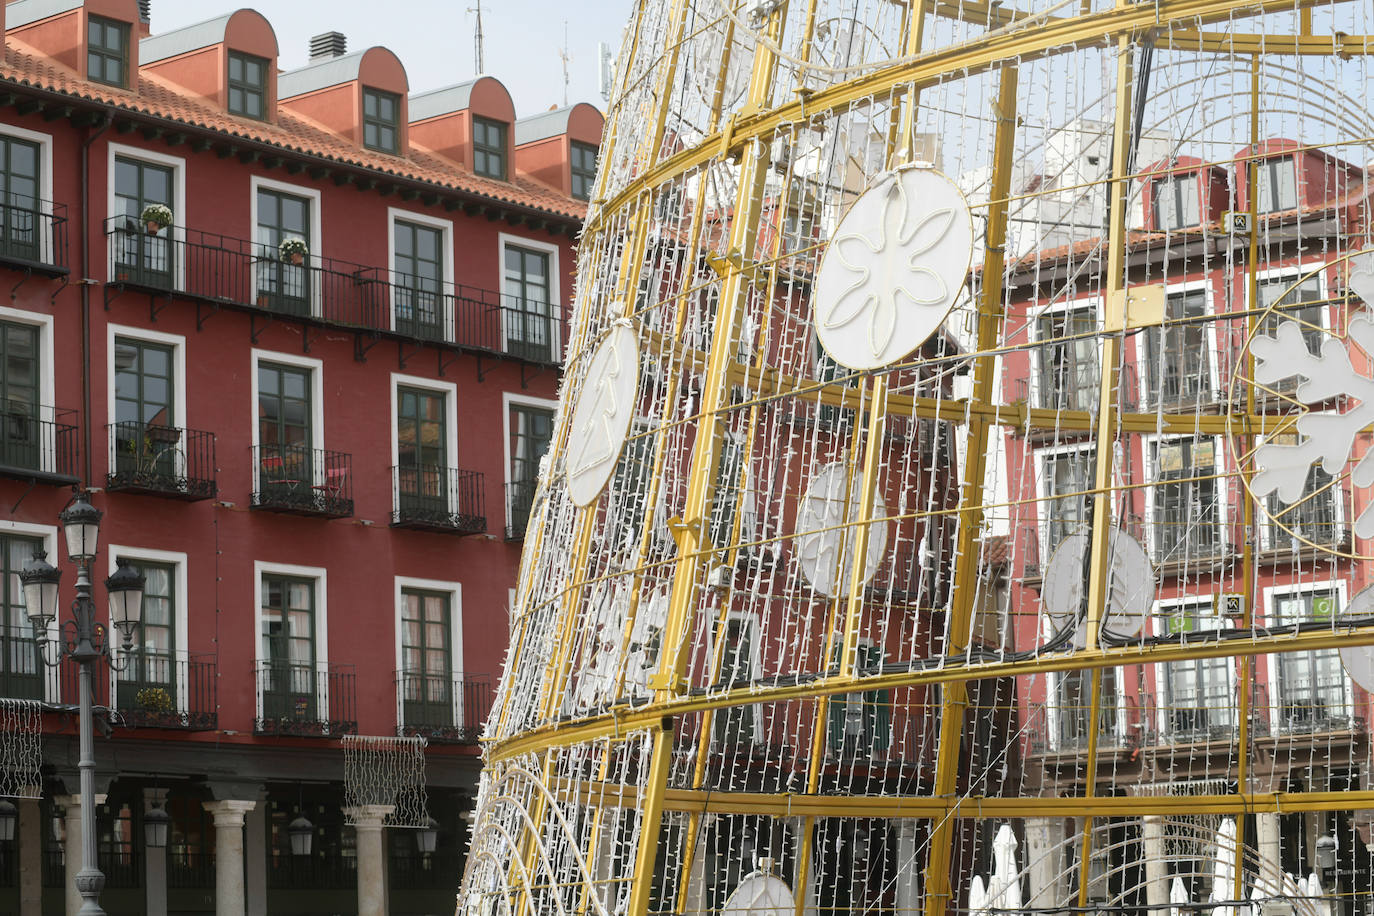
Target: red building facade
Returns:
[[310, 395]]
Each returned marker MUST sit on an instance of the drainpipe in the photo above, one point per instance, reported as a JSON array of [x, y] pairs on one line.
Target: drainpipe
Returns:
[[86, 282]]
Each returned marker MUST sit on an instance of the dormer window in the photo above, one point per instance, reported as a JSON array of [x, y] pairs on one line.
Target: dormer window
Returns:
[[247, 86], [489, 148], [107, 51], [1176, 202], [380, 113], [1278, 185], [583, 170]]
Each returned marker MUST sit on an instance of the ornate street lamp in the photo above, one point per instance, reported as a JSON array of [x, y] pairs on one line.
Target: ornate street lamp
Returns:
[[427, 836], [302, 834], [83, 640], [9, 817], [156, 822]]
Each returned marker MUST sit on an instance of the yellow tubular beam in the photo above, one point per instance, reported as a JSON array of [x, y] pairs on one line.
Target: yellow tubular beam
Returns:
[[651, 816], [702, 802], [954, 697], [1050, 38], [610, 724]]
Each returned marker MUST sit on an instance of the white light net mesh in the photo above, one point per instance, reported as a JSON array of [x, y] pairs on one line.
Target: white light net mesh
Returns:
[[386, 771], [708, 682], [21, 749]]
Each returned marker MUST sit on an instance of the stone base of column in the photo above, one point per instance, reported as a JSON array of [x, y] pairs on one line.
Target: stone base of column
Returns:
[[367, 822]]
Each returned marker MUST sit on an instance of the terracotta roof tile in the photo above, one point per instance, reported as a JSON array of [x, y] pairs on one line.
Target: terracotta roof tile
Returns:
[[25, 67]]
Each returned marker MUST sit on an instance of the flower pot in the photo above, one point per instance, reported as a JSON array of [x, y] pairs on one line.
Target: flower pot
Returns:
[[262, 300], [154, 227], [296, 258]]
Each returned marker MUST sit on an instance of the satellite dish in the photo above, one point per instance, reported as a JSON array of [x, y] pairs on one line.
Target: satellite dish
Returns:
[[1130, 586], [760, 895], [1359, 660], [825, 550]]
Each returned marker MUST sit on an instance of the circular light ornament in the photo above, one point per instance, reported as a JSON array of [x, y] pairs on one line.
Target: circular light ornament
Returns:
[[825, 549], [1130, 586], [601, 416], [1359, 660], [893, 269], [760, 895]]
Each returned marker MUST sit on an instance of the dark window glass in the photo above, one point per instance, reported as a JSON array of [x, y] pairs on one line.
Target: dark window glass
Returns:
[[142, 257], [19, 216], [288, 648], [1178, 365], [1075, 709], [1187, 501], [529, 331], [426, 659], [1068, 360], [145, 408], [283, 286], [531, 432], [107, 51], [1314, 693], [1198, 693], [421, 435], [1177, 205], [381, 111], [283, 407], [1068, 477], [20, 675], [247, 86], [583, 170], [152, 662], [489, 148], [1278, 185], [20, 435], [419, 269], [735, 725]]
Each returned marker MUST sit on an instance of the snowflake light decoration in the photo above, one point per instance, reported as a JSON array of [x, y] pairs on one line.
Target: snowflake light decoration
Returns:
[[893, 269], [1282, 468]]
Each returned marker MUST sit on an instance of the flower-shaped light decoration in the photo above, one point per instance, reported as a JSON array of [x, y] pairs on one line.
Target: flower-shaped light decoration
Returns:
[[601, 414], [893, 269]]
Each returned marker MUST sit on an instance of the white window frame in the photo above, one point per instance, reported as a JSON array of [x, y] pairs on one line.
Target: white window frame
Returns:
[[1262, 168], [454, 590], [1149, 460], [52, 689], [447, 294], [1167, 181], [1142, 354], [181, 660], [509, 399], [316, 367], [558, 329], [1089, 303], [47, 243], [450, 392], [1043, 495], [1292, 273], [1164, 609], [257, 183], [178, 344], [176, 232], [1052, 706], [1271, 594], [321, 577], [47, 374]]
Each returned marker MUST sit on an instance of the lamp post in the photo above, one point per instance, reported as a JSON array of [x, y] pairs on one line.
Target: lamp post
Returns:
[[82, 640]]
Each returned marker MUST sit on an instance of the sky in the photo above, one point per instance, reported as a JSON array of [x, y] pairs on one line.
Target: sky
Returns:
[[434, 38]]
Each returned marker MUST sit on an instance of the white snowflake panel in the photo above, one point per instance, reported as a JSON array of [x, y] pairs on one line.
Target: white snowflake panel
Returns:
[[1359, 660], [1130, 586], [601, 417], [893, 269], [825, 547], [760, 895]]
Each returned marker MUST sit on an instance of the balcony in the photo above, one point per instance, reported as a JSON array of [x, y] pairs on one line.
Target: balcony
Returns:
[[39, 444], [302, 481], [222, 270], [313, 700], [321, 870], [434, 498], [161, 461], [33, 236], [443, 708], [441, 870], [519, 503], [172, 690]]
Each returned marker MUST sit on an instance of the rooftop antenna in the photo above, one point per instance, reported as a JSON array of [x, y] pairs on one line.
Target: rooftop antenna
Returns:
[[477, 38], [563, 53], [603, 69]]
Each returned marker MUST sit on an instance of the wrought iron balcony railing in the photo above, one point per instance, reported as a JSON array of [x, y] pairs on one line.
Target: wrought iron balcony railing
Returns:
[[216, 268], [437, 498], [190, 869], [305, 699], [33, 235], [169, 689], [441, 869], [441, 707], [303, 481], [38, 443], [161, 460], [519, 502], [321, 870]]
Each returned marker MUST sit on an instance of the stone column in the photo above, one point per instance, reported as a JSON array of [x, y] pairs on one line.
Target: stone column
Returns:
[[1044, 839], [228, 814], [71, 847], [1270, 860], [1156, 871], [908, 875], [30, 835], [367, 822], [154, 860]]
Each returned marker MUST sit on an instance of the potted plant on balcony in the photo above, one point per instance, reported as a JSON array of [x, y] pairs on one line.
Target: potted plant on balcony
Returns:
[[155, 217], [293, 250]]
